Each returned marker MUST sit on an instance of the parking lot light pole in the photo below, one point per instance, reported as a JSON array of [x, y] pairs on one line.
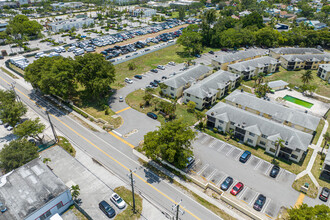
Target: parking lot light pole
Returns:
[[176, 207], [132, 184]]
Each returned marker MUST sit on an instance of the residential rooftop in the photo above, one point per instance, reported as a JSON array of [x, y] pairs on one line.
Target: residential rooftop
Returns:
[[253, 64], [238, 56], [307, 57], [188, 76], [211, 84], [28, 188], [292, 50], [326, 67], [277, 83], [276, 110], [259, 125]]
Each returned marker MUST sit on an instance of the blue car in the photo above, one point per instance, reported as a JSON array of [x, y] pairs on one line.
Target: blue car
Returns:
[[245, 156], [152, 115], [227, 183]]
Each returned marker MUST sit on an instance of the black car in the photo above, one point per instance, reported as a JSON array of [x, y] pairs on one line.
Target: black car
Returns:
[[324, 195], [211, 52], [153, 84], [107, 209], [154, 70], [156, 81], [245, 156], [260, 202], [164, 77], [227, 183], [152, 115], [138, 76], [274, 172]]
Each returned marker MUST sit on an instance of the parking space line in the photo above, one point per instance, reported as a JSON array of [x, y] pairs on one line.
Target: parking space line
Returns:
[[222, 146], [242, 193], [212, 144], [230, 151], [222, 179], [204, 140], [256, 167], [268, 170], [238, 156], [212, 174], [254, 198], [266, 204], [202, 170], [280, 174]]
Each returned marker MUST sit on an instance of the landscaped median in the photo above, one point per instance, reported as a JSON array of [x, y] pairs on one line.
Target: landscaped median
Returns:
[[312, 189]]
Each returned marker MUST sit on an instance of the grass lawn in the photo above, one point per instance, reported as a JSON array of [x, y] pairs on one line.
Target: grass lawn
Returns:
[[312, 189], [259, 152], [316, 171], [135, 98], [77, 213], [245, 89], [293, 78], [318, 131], [128, 212], [66, 145], [150, 61], [9, 73], [17, 69]]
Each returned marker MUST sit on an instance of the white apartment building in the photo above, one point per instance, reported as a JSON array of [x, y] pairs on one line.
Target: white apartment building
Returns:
[[68, 24]]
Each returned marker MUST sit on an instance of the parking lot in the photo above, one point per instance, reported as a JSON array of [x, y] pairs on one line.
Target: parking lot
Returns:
[[216, 160]]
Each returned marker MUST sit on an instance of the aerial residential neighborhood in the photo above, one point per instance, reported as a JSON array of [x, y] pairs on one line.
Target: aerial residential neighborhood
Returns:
[[186, 109]]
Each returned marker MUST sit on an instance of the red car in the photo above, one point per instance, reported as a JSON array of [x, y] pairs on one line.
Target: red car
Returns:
[[237, 188]]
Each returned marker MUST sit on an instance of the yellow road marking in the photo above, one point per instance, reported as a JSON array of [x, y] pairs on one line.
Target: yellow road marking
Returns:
[[299, 200], [268, 216], [122, 165], [122, 140], [122, 110]]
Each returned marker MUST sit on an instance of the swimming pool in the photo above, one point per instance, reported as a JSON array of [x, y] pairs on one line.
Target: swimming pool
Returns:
[[298, 101]]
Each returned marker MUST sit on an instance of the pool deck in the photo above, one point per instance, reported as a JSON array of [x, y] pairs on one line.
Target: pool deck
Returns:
[[319, 108]]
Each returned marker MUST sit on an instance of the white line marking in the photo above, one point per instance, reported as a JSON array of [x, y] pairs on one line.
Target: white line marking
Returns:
[[254, 198], [212, 144], [241, 193], [212, 174], [230, 151], [202, 170], [268, 170], [266, 204], [256, 167], [222, 179], [117, 133]]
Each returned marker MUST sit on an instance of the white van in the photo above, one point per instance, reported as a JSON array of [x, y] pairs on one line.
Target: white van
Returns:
[[72, 48], [39, 54]]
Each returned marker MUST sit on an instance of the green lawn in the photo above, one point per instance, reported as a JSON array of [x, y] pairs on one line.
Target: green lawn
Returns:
[[259, 152], [128, 212], [318, 131], [150, 61], [66, 145], [135, 98], [293, 78], [316, 171], [312, 189]]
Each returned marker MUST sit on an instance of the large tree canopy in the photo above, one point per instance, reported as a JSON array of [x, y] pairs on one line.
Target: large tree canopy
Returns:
[[191, 39], [30, 128], [305, 212], [172, 143], [20, 25], [11, 111]]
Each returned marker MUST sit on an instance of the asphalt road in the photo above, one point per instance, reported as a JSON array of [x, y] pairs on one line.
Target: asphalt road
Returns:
[[114, 154]]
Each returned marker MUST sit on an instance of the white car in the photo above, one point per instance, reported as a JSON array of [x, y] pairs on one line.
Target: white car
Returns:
[[129, 81], [118, 201], [171, 63], [161, 67], [121, 99], [9, 128]]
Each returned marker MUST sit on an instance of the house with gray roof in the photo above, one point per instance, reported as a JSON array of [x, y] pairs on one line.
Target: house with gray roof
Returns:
[[277, 52], [294, 118], [205, 92], [176, 84], [222, 61], [255, 130], [32, 192], [324, 72], [325, 173], [277, 85], [248, 69], [305, 61]]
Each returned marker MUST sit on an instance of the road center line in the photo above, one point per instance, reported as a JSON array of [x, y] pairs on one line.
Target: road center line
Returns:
[[122, 110]]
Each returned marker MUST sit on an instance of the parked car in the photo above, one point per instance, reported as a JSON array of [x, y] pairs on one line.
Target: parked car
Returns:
[[211, 52], [161, 67], [227, 183], [118, 201], [121, 99], [197, 55], [138, 76], [259, 203], [107, 209], [6, 125], [129, 81], [9, 128], [324, 195], [164, 77], [152, 115], [153, 84], [156, 81], [154, 70], [171, 63], [274, 171], [245, 156], [237, 188], [191, 160]]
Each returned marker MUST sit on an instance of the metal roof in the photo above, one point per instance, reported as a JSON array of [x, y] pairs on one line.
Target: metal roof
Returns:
[[238, 56], [253, 64]]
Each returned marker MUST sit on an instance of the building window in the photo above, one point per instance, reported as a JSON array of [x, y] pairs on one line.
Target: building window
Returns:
[[232, 123], [172, 88], [251, 134], [172, 94], [272, 150], [46, 215], [249, 141], [188, 94], [264, 136], [294, 156], [298, 150], [187, 100], [59, 205], [262, 143], [220, 121]]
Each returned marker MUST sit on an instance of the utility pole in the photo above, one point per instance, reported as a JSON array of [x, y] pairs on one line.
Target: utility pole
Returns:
[[13, 88], [130, 175], [52, 126], [176, 208]]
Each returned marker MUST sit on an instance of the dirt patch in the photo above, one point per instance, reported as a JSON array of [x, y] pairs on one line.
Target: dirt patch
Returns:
[[140, 38]]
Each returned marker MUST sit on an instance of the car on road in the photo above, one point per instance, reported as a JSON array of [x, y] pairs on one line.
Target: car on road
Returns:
[[138, 76], [107, 209], [118, 201], [154, 70], [324, 195], [152, 115], [211, 52], [274, 171], [245, 156], [129, 81], [260, 202], [164, 77], [161, 67], [237, 188], [121, 99], [227, 183]]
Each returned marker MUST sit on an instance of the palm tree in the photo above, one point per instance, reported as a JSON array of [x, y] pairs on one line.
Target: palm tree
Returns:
[[306, 76], [46, 160], [326, 138], [75, 191], [278, 146]]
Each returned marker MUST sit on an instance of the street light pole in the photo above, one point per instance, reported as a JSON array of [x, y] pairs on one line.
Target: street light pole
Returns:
[[176, 207], [132, 184]]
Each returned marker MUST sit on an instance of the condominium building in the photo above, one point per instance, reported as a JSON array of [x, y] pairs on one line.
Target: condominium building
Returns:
[[297, 119], [142, 12], [307, 61], [60, 5], [33, 192], [176, 84], [277, 52], [324, 72], [222, 61], [255, 130], [248, 69], [205, 92], [69, 24]]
